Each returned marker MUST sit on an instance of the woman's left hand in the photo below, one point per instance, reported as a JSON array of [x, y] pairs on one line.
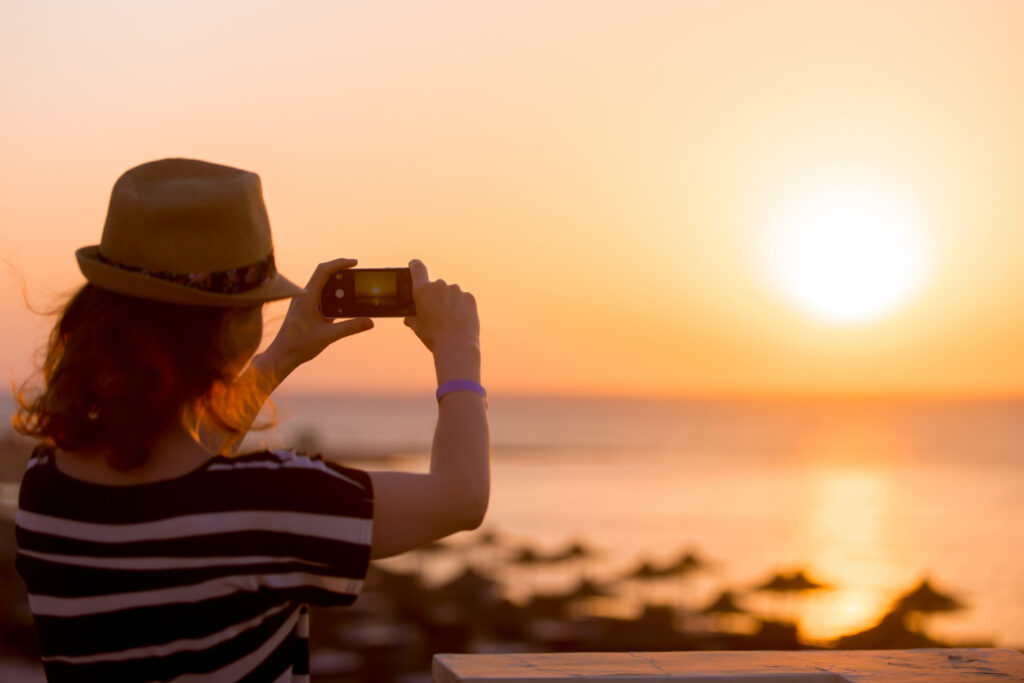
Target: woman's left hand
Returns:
[[305, 332]]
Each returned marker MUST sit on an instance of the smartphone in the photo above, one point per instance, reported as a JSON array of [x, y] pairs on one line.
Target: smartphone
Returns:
[[368, 293]]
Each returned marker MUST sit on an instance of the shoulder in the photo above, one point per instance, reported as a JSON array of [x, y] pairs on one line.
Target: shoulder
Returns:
[[288, 480], [294, 464]]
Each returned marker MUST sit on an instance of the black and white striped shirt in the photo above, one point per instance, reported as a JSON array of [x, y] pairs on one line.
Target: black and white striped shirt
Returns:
[[198, 578]]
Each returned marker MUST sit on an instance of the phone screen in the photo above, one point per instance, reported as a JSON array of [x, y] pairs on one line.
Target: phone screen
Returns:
[[376, 288], [374, 292]]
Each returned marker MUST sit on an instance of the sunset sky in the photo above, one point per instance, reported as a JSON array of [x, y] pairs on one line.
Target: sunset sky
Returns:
[[645, 197]]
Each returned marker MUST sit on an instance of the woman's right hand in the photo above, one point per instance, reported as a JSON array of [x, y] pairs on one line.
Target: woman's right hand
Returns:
[[446, 321]]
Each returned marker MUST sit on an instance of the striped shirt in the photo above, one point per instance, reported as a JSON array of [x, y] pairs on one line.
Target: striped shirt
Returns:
[[203, 577]]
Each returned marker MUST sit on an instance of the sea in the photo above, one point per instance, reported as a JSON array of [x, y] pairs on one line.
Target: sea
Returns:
[[868, 497]]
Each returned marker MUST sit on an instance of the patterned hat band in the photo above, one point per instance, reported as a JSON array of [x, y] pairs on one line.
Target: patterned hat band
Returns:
[[233, 281]]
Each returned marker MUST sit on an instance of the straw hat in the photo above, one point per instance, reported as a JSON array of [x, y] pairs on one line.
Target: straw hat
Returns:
[[187, 232]]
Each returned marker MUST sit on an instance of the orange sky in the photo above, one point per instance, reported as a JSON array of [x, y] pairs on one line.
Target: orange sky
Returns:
[[596, 173]]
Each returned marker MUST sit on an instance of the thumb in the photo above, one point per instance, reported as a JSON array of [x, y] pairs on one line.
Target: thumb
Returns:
[[346, 328]]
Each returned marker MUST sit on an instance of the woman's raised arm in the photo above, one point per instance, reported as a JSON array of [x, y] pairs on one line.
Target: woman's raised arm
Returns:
[[411, 510]]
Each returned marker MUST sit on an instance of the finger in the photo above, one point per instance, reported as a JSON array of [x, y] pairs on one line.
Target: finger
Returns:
[[325, 270], [419, 272], [346, 328]]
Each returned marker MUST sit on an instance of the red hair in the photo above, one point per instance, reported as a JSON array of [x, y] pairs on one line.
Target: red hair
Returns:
[[120, 370]]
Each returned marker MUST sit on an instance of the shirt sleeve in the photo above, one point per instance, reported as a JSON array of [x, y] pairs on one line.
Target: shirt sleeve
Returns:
[[319, 528]]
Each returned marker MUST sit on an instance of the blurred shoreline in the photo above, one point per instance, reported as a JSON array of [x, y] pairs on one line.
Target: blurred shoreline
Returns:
[[642, 471]]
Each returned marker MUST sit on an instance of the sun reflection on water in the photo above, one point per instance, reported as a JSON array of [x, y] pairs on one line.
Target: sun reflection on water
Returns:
[[846, 525]]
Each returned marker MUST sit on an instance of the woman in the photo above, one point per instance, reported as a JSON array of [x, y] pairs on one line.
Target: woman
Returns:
[[149, 550]]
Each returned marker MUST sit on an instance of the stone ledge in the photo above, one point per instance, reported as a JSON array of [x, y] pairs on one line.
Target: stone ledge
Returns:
[[810, 666]]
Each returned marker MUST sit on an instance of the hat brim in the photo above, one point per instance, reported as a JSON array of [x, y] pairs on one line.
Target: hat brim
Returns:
[[106, 276]]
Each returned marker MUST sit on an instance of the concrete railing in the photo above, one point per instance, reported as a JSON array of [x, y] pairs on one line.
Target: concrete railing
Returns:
[[812, 666]]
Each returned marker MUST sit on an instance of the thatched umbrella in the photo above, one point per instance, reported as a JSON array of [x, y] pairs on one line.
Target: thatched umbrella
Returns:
[[798, 583], [644, 572], [688, 562], [725, 603], [525, 558], [435, 548], [561, 605], [575, 551], [587, 589], [528, 556], [400, 589], [468, 587], [722, 608], [387, 581], [789, 585], [925, 600], [890, 633], [490, 542], [777, 584], [488, 538], [430, 550]]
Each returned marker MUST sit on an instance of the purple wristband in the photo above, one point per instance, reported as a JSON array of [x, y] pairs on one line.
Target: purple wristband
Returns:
[[460, 385]]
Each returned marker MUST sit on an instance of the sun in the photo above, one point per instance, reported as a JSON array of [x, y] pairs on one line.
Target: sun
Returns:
[[846, 249]]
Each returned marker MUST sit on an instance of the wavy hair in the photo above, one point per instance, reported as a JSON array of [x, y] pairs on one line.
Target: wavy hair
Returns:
[[119, 370]]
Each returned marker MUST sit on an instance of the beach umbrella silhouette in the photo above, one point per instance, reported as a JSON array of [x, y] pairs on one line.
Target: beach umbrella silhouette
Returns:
[[528, 556], [789, 585], [587, 589], [434, 548], [575, 551], [723, 608], [488, 544], [778, 584], [580, 550], [798, 583], [488, 538], [891, 632], [558, 605], [688, 562], [469, 586], [924, 600], [656, 627], [725, 603], [644, 572], [399, 586]]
